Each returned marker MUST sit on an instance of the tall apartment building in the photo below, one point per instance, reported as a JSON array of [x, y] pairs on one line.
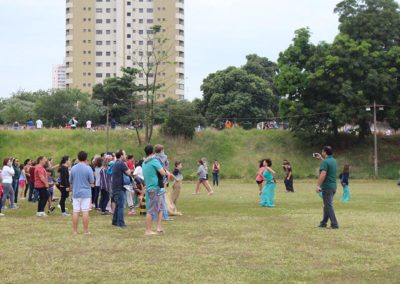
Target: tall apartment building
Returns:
[[102, 36], [59, 77]]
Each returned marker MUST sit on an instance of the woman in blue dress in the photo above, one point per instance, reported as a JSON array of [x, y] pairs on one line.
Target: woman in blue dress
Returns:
[[268, 192]]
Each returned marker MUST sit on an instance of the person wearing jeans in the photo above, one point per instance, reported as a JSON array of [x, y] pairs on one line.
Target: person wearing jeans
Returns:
[[41, 185], [7, 174], [327, 185], [105, 187], [118, 190], [32, 182], [216, 168], [63, 184]]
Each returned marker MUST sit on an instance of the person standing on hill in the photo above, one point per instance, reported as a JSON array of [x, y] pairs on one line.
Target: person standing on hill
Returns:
[[216, 169], [39, 124], [81, 181], [327, 185]]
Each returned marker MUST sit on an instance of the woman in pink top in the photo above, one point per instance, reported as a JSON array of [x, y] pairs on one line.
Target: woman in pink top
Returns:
[[260, 177]]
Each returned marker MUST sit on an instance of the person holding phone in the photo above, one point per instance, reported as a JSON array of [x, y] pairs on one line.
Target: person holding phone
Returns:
[[327, 185]]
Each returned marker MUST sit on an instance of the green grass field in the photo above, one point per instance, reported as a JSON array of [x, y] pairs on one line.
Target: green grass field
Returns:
[[237, 150], [226, 238]]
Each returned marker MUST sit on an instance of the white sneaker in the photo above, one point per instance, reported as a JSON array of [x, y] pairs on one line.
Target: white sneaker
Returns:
[[2, 215], [41, 214], [65, 214]]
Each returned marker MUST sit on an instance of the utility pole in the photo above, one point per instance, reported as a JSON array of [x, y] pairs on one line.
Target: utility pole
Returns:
[[108, 128], [375, 144], [375, 106]]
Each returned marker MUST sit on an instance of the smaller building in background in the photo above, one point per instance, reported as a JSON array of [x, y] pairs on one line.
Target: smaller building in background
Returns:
[[59, 77]]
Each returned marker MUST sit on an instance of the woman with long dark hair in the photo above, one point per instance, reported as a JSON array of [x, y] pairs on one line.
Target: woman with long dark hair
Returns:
[[63, 183], [268, 192]]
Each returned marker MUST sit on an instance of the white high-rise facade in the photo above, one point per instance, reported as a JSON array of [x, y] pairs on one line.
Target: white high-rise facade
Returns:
[[103, 36], [59, 77]]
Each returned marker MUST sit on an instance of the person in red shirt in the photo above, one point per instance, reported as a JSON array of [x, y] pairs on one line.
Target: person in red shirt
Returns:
[[41, 185], [32, 192], [130, 163]]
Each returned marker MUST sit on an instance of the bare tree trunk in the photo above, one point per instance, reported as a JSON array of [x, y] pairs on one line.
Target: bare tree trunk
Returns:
[[138, 137]]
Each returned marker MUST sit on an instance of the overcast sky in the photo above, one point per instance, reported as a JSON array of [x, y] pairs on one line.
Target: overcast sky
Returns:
[[219, 33]]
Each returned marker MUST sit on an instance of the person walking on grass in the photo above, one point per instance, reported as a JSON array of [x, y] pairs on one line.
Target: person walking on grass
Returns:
[[176, 189], [268, 192], [63, 183], [203, 179], [117, 184], [7, 174], [216, 169], [327, 185], [41, 185], [153, 172], [81, 181], [287, 168], [344, 180]]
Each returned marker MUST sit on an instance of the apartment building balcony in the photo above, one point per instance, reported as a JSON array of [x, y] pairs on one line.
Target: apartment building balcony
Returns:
[[69, 37], [180, 27], [180, 5], [180, 70], [180, 48], [69, 4], [180, 37]]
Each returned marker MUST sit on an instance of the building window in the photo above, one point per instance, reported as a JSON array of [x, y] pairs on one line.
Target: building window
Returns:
[[99, 75], [99, 42]]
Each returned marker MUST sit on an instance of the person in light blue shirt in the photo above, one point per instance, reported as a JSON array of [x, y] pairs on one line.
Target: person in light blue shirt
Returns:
[[81, 182]]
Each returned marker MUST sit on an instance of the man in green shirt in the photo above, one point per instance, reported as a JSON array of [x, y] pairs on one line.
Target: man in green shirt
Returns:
[[327, 185]]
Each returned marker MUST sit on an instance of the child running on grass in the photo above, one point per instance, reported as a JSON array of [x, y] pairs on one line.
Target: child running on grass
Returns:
[[176, 189], [344, 180]]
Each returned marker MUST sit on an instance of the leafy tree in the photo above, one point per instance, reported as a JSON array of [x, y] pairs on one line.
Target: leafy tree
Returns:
[[117, 91], [181, 120], [263, 68], [14, 109], [56, 107], [236, 94], [325, 86]]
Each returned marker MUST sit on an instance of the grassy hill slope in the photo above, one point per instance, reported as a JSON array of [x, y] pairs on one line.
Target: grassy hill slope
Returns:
[[237, 150]]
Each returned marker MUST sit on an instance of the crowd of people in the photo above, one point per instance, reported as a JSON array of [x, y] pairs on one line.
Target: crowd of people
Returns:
[[108, 183], [112, 182]]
